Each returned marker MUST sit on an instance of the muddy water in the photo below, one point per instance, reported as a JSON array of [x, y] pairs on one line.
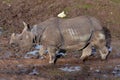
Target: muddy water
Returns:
[[116, 71], [94, 70], [70, 68], [34, 53]]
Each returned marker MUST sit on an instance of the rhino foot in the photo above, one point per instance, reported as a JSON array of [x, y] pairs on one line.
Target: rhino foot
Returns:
[[51, 62], [83, 58], [86, 53]]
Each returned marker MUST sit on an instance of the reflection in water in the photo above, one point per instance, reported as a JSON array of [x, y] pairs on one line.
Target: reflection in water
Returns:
[[71, 68], [32, 54], [116, 71]]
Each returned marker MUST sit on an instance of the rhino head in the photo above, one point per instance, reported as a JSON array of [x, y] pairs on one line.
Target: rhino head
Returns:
[[23, 40]]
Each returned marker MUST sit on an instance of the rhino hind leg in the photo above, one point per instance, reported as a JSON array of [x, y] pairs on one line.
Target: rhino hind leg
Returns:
[[100, 43], [86, 53], [52, 52], [104, 52]]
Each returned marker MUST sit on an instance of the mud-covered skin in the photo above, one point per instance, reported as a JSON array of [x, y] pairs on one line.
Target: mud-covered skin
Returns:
[[69, 34]]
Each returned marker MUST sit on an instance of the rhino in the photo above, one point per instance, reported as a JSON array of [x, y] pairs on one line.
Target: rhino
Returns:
[[79, 33]]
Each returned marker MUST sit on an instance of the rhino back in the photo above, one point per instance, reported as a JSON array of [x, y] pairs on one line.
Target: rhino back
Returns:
[[76, 30]]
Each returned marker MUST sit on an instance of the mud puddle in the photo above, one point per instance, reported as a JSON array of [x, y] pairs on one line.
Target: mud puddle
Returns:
[[34, 53], [70, 68], [116, 71]]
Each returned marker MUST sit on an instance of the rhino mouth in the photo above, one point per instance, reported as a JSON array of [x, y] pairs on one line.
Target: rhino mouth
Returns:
[[14, 45]]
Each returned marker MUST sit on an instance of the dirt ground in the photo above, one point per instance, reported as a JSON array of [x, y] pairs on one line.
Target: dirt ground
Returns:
[[13, 65]]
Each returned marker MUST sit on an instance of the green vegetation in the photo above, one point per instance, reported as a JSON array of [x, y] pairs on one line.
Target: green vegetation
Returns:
[[7, 1], [85, 6], [116, 1], [78, 6], [67, 9]]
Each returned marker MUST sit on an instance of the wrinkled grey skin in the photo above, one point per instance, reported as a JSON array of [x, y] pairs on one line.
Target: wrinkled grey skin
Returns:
[[69, 34]]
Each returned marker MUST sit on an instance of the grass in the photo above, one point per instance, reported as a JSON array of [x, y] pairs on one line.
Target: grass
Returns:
[[7, 1], [116, 1], [79, 6], [85, 6]]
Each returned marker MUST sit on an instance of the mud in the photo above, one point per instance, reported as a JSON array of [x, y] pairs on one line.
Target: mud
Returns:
[[17, 64]]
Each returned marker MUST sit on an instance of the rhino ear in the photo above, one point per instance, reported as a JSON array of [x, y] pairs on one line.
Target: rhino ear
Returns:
[[27, 27]]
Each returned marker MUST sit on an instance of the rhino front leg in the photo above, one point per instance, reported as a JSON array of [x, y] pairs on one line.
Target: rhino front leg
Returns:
[[42, 51], [52, 52], [86, 53]]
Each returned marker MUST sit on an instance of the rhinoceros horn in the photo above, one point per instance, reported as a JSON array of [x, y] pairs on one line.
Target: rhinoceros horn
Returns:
[[13, 35]]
